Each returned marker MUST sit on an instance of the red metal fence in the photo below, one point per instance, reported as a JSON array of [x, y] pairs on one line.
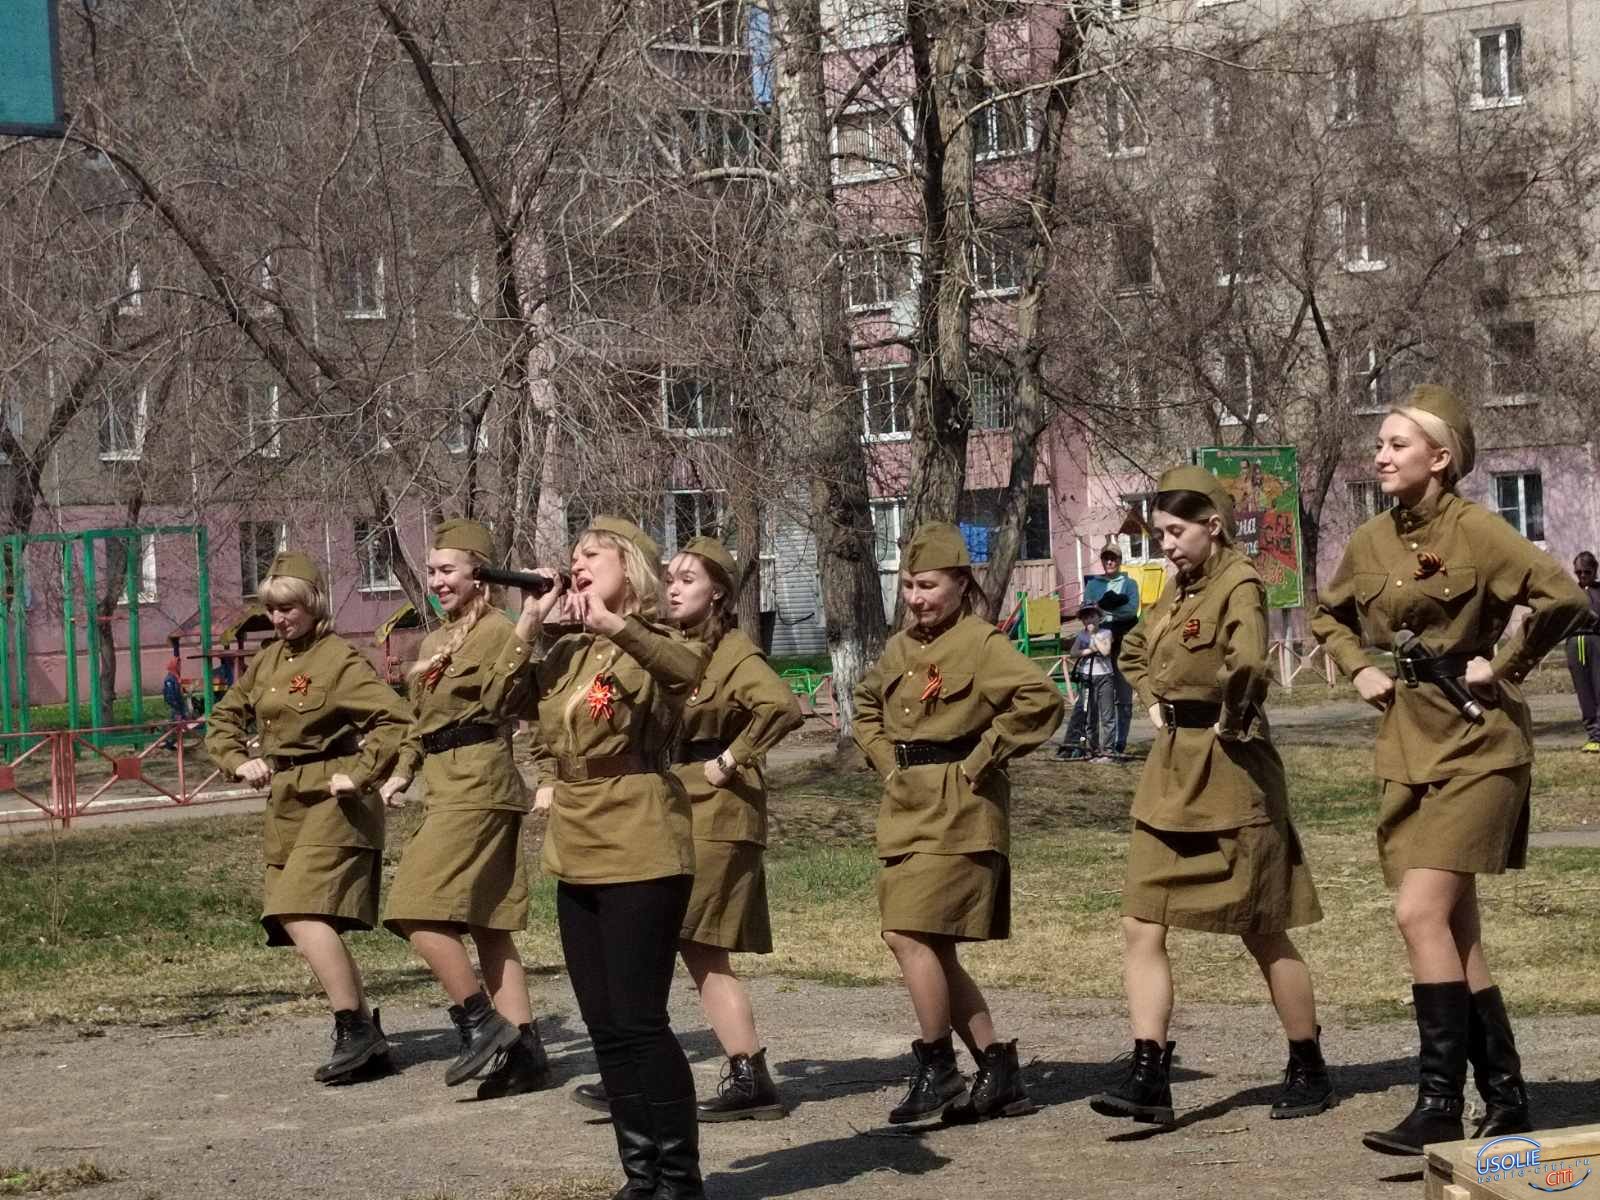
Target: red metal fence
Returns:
[[62, 775]]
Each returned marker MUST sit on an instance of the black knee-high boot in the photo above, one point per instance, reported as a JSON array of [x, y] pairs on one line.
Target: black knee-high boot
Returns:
[[1496, 1067], [677, 1125], [1443, 1016]]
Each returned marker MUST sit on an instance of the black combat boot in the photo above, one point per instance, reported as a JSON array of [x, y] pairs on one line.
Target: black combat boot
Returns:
[[358, 1043], [1146, 1093], [1496, 1067], [677, 1126], [523, 1068], [746, 1092], [636, 1146], [593, 1095], [1307, 1089], [484, 1033], [996, 1090], [1443, 1016], [936, 1083]]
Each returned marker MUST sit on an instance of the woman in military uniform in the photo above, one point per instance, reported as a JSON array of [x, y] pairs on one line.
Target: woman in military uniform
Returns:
[[939, 717], [325, 727], [1440, 576], [1212, 846], [619, 842], [462, 871]]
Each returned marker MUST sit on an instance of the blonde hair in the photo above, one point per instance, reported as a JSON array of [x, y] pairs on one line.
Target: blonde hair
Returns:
[[641, 577], [282, 591], [1440, 436], [462, 623]]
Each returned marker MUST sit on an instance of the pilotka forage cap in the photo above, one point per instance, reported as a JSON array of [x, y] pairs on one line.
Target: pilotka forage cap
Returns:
[[458, 533], [712, 550], [1198, 479], [291, 564], [1439, 401], [623, 528], [935, 546]]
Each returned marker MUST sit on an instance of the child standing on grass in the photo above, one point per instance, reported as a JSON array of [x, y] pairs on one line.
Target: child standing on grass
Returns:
[[1091, 731], [327, 727], [1212, 845], [939, 717]]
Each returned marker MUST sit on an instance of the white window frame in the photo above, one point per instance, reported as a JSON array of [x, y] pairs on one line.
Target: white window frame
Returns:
[[673, 539], [1355, 219], [375, 309], [998, 393], [455, 431], [1238, 270], [1375, 396], [909, 249], [670, 378], [1350, 89], [709, 132], [1225, 415], [367, 536], [1367, 498], [707, 15], [1126, 287], [1521, 507], [135, 451], [149, 593], [247, 551], [1498, 360], [893, 509], [131, 302], [897, 118], [1217, 112], [988, 121], [983, 247], [1508, 53], [466, 287], [1489, 241], [12, 416], [902, 380], [270, 446], [876, 25], [1122, 118], [1144, 503], [1122, 10]]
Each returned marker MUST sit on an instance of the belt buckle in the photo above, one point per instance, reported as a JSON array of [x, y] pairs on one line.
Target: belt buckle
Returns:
[[1408, 670], [902, 755], [1169, 713]]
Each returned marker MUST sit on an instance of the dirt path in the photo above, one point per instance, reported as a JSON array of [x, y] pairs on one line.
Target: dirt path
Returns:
[[179, 1113]]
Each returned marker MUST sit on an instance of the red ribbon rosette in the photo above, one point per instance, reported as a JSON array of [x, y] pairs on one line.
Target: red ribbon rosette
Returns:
[[1428, 564], [300, 685], [601, 698], [1191, 629], [935, 683]]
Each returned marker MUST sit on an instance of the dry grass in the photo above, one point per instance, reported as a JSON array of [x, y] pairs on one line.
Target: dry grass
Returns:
[[141, 924], [51, 1181]]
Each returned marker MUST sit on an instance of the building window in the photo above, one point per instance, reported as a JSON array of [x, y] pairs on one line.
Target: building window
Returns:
[[888, 517], [1120, 10], [1371, 385], [359, 279], [122, 424], [979, 515], [259, 543], [1239, 386], [878, 274], [1505, 202], [1217, 110], [1002, 126], [718, 24], [712, 138], [867, 22], [1368, 498], [869, 144], [998, 259], [993, 400], [1520, 500], [1126, 134], [11, 415], [1499, 73], [886, 401], [1512, 378], [692, 514], [1355, 230], [466, 288], [1140, 544], [1136, 256], [457, 430], [146, 552], [131, 302], [693, 404], [257, 406], [1353, 88], [375, 555], [1238, 260]]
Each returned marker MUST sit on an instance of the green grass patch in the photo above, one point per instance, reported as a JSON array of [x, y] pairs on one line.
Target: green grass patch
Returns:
[[51, 1181]]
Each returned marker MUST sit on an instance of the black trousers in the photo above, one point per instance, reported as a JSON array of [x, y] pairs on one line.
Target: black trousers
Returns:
[[1583, 660], [620, 941]]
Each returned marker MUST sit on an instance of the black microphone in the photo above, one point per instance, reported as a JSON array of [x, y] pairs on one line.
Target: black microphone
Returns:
[[534, 585], [1408, 649]]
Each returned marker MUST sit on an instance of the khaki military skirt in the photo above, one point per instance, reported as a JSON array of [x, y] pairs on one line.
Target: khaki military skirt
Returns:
[[964, 896], [339, 883], [1476, 824], [1249, 880], [462, 867], [728, 906]]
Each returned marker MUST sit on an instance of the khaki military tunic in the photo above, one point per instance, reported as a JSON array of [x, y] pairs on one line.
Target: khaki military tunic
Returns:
[[615, 828], [1452, 573], [740, 703], [1212, 846], [322, 852], [464, 864], [944, 829]]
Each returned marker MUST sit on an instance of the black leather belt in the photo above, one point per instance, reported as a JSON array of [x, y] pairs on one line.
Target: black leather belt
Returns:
[[922, 754], [603, 766], [701, 750], [1431, 670], [344, 746], [455, 736], [1189, 714]]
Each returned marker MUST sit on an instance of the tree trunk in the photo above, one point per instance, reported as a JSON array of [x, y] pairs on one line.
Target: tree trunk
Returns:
[[818, 359]]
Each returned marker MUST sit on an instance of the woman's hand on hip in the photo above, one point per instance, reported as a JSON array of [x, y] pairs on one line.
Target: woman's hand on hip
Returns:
[[257, 772], [1374, 686], [543, 798], [393, 790], [1481, 680], [341, 784], [1156, 718]]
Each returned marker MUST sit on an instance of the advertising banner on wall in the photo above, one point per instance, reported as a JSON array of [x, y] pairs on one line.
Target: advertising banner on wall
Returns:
[[30, 69], [1264, 482]]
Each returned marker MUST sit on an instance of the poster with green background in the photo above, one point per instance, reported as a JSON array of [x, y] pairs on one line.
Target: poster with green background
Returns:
[[1264, 482]]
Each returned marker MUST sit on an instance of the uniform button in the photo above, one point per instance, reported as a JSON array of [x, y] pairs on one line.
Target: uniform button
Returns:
[[1413, 545], [1399, 583], [272, 689], [1447, 591], [907, 711]]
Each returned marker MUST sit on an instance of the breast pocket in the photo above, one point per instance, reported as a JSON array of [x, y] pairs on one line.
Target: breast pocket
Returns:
[[1450, 588], [313, 699], [1198, 633]]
